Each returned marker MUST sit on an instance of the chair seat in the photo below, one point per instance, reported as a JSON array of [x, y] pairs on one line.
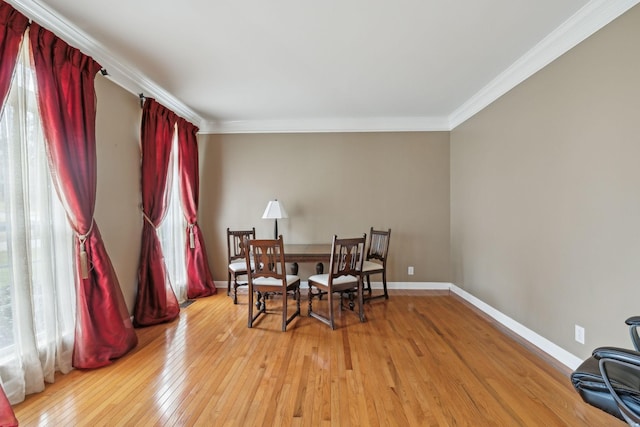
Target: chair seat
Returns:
[[238, 267], [272, 281], [323, 279], [369, 266]]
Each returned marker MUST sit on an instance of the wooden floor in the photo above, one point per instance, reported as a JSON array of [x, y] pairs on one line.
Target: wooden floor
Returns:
[[421, 359]]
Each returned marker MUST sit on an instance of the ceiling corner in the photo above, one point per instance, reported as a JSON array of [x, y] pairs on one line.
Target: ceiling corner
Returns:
[[589, 19]]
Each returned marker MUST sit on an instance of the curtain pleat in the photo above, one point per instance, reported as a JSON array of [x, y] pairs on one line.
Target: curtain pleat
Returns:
[[65, 80], [13, 24], [199, 279], [155, 302], [12, 27]]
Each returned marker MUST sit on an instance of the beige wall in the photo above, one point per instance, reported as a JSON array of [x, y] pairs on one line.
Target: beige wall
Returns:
[[545, 194], [385, 180], [340, 183], [118, 193]]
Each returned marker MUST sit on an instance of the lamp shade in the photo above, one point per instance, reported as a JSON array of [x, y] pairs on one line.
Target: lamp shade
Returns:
[[274, 210]]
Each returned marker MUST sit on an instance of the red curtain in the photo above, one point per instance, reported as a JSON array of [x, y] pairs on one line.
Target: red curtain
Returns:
[[156, 302], [12, 27], [199, 279], [7, 417], [65, 79]]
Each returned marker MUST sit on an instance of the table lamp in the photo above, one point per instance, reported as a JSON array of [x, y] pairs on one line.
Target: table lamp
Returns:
[[275, 210]]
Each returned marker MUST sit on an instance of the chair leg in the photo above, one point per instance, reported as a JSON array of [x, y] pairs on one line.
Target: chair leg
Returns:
[[284, 311], [261, 304], [369, 284], [310, 300], [361, 300], [250, 323], [235, 291], [330, 302], [228, 283], [368, 288], [384, 283], [351, 303], [296, 296]]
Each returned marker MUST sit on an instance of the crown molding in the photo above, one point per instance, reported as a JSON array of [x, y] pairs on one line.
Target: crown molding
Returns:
[[121, 73], [369, 124], [589, 19]]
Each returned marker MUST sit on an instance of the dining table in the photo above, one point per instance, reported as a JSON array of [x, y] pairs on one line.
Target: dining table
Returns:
[[319, 253]]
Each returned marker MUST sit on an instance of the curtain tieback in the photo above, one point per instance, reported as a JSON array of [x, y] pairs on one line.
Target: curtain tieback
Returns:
[[148, 220], [84, 262], [192, 238]]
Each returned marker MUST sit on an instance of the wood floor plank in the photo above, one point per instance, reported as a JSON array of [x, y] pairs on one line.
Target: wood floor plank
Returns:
[[422, 359]]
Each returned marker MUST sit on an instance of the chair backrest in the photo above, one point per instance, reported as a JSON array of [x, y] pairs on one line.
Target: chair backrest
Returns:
[[268, 259], [235, 243], [378, 245], [347, 256]]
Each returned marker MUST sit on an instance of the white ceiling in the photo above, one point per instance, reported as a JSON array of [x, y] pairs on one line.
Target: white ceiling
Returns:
[[323, 65]]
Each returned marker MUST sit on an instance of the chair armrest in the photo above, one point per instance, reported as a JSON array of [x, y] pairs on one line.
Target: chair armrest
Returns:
[[633, 320], [626, 359], [634, 324], [616, 353]]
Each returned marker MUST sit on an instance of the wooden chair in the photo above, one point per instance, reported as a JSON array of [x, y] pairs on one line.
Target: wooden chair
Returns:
[[237, 259], [269, 275], [378, 250], [347, 257]]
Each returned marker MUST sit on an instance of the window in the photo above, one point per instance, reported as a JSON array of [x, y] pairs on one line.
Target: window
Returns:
[[37, 294], [172, 230]]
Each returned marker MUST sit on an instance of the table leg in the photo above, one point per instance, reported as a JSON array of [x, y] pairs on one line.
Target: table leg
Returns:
[[294, 268]]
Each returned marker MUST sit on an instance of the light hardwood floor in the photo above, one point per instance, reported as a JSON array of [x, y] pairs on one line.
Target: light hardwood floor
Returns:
[[422, 359]]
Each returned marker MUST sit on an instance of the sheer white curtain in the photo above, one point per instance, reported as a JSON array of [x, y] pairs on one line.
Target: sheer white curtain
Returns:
[[37, 295], [172, 230]]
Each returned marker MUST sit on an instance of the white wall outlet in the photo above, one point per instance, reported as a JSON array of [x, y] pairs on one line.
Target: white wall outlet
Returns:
[[580, 334], [410, 270]]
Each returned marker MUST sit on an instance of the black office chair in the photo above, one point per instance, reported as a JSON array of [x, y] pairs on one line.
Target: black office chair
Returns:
[[610, 378]]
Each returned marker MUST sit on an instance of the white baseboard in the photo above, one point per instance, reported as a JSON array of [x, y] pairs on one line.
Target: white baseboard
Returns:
[[553, 350], [425, 286], [539, 341], [428, 286]]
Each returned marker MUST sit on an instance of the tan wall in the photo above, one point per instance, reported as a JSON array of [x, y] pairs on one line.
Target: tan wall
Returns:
[[340, 183], [398, 180], [545, 194], [118, 192]]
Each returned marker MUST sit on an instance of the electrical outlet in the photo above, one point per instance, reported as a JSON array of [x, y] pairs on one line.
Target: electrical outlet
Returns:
[[580, 334], [410, 270]]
